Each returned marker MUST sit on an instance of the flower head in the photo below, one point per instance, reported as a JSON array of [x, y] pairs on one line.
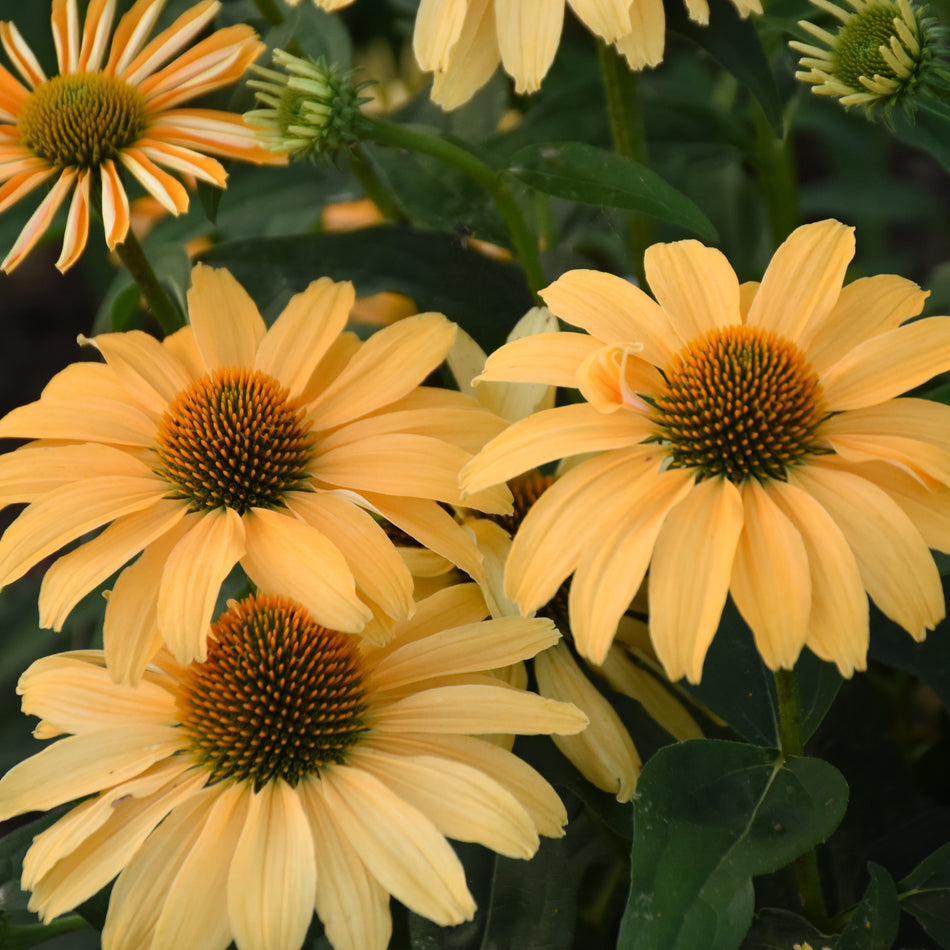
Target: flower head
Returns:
[[742, 440], [882, 54], [231, 443], [312, 109], [103, 114], [297, 769]]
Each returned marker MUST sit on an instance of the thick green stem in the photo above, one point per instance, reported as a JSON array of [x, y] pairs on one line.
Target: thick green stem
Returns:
[[269, 11], [375, 190], [776, 173], [622, 90], [790, 736], [414, 140], [21, 936], [130, 252]]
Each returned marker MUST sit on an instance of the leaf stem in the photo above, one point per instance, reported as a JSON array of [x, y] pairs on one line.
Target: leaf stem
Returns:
[[805, 866], [21, 936], [414, 140], [625, 110], [776, 174]]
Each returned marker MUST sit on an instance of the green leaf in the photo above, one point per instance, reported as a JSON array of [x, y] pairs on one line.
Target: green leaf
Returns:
[[487, 298], [925, 894], [709, 816], [775, 928], [735, 45], [580, 172], [873, 924]]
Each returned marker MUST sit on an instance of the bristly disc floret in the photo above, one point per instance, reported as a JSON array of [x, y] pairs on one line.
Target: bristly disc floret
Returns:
[[739, 402], [311, 109], [279, 696], [885, 53]]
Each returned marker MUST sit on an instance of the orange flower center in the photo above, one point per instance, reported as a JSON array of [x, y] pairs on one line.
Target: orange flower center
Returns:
[[739, 402], [234, 439], [279, 696], [82, 119]]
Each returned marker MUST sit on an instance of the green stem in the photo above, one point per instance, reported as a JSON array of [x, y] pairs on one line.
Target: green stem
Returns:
[[790, 736], [269, 11], [21, 936], [622, 91], [375, 190], [414, 140], [776, 172], [130, 252]]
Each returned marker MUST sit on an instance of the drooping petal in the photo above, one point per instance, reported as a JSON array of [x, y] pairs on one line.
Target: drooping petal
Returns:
[[472, 60], [401, 848], [273, 875], [771, 579], [528, 35], [77, 224], [645, 44], [689, 575], [164, 188], [192, 578], [40, 220], [609, 19], [438, 28], [115, 205], [285, 555], [548, 358]]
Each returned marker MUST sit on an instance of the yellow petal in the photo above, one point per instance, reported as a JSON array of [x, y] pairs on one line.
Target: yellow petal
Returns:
[[609, 19], [438, 28], [302, 334], [273, 874], [472, 59], [192, 578], [644, 45], [604, 753], [694, 284], [225, 321], [614, 311], [771, 579], [528, 37], [80, 419], [804, 278], [289, 557], [689, 576], [547, 358], [401, 848]]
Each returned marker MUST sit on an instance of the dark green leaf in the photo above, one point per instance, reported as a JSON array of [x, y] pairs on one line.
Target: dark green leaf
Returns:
[[580, 172], [735, 45], [873, 924], [709, 816], [925, 893], [487, 298], [776, 929]]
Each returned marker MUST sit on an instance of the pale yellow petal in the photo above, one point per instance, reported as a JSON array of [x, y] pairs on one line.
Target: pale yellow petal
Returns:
[[352, 904], [302, 334], [393, 361], [80, 419], [547, 358], [867, 306], [689, 575], [80, 765], [438, 28], [804, 279], [888, 364], [400, 847], [528, 35], [472, 60], [465, 649], [616, 377], [195, 909], [838, 625], [287, 556], [603, 753], [549, 435], [695, 285], [615, 311], [192, 578], [69, 512], [895, 564], [75, 574], [476, 709], [372, 558], [611, 568], [225, 321], [609, 19], [645, 44], [771, 579], [273, 875]]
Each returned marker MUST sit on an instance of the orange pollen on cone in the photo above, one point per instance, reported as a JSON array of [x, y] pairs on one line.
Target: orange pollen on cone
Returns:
[[739, 402], [82, 119], [234, 439], [279, 696]]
